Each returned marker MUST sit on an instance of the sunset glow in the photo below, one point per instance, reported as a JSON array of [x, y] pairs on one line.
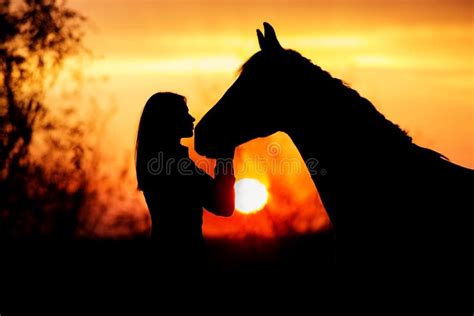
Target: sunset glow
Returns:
[[411, 59], [250, 196]]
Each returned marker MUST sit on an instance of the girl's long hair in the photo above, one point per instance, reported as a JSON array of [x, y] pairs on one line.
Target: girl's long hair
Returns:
[[156, 130]]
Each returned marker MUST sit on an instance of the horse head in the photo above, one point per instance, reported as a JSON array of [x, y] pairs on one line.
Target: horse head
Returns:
[[258, 102]]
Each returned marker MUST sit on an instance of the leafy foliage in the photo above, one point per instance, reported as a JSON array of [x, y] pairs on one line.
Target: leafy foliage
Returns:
[[40, 196]]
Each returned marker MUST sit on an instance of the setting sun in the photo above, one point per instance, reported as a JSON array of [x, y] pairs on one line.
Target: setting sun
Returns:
[[250, 195]]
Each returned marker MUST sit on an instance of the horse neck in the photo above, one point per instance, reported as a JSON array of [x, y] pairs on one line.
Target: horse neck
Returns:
[[341, 125], [342, 155], [337, 140]]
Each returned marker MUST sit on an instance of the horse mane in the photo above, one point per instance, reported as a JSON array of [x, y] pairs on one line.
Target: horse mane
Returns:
[[358, 104]]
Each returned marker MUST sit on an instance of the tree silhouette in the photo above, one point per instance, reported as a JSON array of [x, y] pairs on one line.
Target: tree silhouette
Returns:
[[39, 196]]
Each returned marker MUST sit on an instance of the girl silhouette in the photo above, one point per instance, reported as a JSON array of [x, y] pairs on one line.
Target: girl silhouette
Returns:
[[174, 188]]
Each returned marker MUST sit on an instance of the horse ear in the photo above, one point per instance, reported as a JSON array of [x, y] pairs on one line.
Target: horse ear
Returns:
[[270, 37], [261, 40]]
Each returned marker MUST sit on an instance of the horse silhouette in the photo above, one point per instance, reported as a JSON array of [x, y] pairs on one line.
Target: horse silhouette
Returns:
[[387, 198]]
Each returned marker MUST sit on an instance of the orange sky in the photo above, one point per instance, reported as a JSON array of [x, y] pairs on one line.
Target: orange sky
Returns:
[[412, 59]]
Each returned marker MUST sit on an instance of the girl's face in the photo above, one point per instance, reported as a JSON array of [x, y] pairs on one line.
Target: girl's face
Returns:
[[184, 122]]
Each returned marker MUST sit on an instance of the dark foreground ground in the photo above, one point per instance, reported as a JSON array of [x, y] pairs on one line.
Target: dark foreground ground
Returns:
[[300, 250], [76, 261], [98, 268], [76, 276]]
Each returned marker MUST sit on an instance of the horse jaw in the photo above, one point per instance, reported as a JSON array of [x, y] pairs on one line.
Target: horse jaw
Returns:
[[214, 139]]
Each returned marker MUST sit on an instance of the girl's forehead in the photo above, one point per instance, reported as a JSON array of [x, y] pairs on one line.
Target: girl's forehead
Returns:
[[182, 106]]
